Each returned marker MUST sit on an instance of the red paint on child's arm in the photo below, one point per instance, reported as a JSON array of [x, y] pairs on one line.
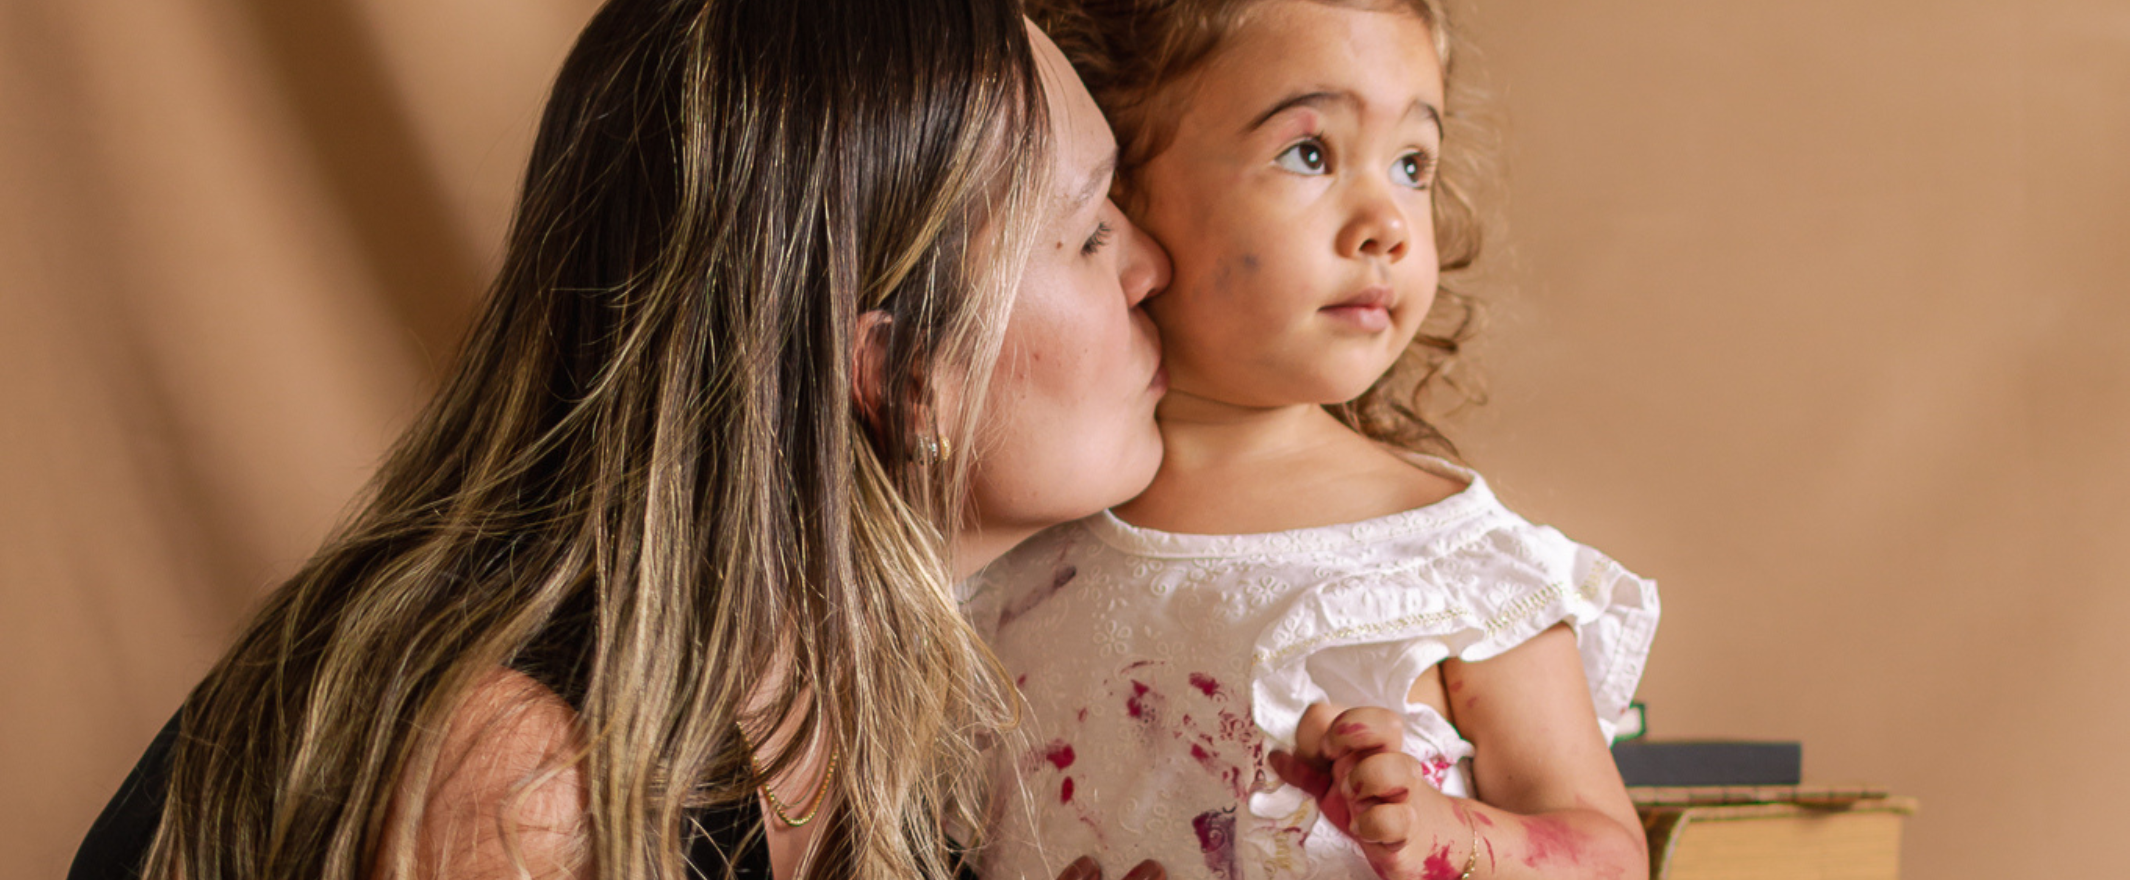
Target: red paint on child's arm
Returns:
[[1439, 867], [1547, 839]]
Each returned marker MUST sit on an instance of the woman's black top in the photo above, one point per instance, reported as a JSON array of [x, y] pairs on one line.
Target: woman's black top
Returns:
[[117, 844]]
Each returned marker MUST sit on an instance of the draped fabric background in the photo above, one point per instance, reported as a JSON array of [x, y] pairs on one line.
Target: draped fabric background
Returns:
[[1813, 311]]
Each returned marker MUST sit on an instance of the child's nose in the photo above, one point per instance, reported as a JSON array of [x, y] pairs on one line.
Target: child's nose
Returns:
[[1377, 229], [1145, 272]]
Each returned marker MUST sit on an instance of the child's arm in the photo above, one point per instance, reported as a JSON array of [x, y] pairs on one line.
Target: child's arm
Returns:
[[1554, 806]]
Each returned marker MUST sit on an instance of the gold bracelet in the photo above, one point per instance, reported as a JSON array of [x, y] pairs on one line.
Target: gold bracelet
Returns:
[[1471, 863]]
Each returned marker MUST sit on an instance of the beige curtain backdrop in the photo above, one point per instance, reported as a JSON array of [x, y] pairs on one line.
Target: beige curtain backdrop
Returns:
[[1813, 311]]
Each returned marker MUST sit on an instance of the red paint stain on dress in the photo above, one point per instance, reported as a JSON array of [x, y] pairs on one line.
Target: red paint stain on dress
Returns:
[[1437, 771], [1065, 791], [1135, 705], [1059, 754], [1205, 684], [1547, 839], [1438, 866], [1216, 842]]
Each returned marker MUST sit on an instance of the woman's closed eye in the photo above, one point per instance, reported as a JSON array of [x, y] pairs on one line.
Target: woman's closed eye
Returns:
[[1098, 240], [1304, 157]]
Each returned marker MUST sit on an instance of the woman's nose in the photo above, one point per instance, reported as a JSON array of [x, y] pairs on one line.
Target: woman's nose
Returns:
[[1145, 269]]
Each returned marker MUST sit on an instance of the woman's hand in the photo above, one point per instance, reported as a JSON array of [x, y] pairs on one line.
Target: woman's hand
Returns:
[[1085, 868]]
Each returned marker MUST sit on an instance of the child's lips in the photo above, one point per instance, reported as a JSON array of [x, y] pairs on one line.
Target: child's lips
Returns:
[[1368, 310]]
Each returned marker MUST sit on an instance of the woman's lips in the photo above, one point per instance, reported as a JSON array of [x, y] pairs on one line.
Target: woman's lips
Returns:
[[1368, 310]]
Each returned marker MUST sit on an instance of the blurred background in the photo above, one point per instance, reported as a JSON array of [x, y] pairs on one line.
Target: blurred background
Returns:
[[1813, 311]]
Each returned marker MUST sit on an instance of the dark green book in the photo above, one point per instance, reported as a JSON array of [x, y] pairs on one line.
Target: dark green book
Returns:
[[1709, 762]]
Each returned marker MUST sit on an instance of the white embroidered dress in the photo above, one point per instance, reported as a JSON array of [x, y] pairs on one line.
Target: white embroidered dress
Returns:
[[1159, 669]]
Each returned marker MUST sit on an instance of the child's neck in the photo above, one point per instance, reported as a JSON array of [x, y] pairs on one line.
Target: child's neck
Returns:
[[1230, 469]]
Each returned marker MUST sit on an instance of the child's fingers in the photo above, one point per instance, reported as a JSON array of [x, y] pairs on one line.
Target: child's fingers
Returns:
[[1381, 778], [1309, 733], [1384, 825], [1362, 730]]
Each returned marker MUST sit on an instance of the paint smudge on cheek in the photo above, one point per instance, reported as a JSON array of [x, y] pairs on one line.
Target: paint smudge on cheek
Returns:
[[1205, 684], [1216, 842], [1059, 754], [1438, 866], [1547, 839], [1249, 262], [1065, 791]]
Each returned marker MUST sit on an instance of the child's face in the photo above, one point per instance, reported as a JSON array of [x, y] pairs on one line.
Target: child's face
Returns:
[[1295, 201]]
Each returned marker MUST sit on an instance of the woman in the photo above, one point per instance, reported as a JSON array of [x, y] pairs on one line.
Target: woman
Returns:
[[676, 539]]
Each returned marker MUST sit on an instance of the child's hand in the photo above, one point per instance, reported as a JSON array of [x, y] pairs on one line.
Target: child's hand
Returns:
[[1353, 763]]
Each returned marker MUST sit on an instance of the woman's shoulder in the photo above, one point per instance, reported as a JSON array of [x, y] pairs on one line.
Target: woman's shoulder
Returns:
[[507, 786]]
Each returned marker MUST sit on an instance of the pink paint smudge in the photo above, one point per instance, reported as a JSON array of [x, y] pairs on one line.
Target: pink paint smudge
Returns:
[[1547, 839], [1205, 683], [1437, 771], [1136, 704], [1059, 754], [1438, 866], [1216, 842]]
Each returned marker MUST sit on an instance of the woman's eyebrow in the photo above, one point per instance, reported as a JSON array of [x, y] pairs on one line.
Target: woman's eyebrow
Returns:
[[1096, 183]]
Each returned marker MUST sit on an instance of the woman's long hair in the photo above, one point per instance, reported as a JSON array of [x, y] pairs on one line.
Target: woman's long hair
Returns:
[[646, 483]]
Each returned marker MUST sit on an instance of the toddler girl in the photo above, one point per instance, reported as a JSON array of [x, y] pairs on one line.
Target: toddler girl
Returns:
[[1183, 657]]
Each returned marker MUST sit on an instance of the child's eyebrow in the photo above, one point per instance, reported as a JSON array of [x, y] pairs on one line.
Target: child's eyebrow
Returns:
[[1342, 97]]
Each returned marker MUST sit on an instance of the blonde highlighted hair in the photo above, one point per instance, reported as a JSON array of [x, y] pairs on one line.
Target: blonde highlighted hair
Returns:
[[1137, 56], [646, 484]]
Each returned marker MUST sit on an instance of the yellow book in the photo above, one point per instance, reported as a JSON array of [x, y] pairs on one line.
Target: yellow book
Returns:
[[1834, 834]]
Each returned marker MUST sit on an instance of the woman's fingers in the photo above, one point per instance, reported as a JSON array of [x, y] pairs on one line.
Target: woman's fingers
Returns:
[[1082, 868], [1381, 778], [1147, 870], [1299, 773]]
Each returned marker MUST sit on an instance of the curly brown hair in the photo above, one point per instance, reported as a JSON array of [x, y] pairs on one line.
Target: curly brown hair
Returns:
[[1132, 54]]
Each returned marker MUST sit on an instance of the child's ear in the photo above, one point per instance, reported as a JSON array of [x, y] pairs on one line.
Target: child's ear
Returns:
[[869, 345]]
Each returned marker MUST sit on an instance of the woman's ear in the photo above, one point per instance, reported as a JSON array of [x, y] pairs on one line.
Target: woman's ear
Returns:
[[869, 345]]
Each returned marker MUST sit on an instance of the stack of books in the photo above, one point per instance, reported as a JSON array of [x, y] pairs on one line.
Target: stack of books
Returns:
[[1724, 810]]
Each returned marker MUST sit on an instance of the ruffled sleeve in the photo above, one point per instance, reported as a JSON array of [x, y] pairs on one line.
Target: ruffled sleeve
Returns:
[[1473, 594]]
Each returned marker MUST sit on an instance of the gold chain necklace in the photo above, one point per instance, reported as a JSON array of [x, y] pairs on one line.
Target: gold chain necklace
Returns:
[[813, 804]]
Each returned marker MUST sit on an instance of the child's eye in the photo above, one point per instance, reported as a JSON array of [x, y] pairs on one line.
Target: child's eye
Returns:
[[1416, 170], [1306, 157], [1096, 241]]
